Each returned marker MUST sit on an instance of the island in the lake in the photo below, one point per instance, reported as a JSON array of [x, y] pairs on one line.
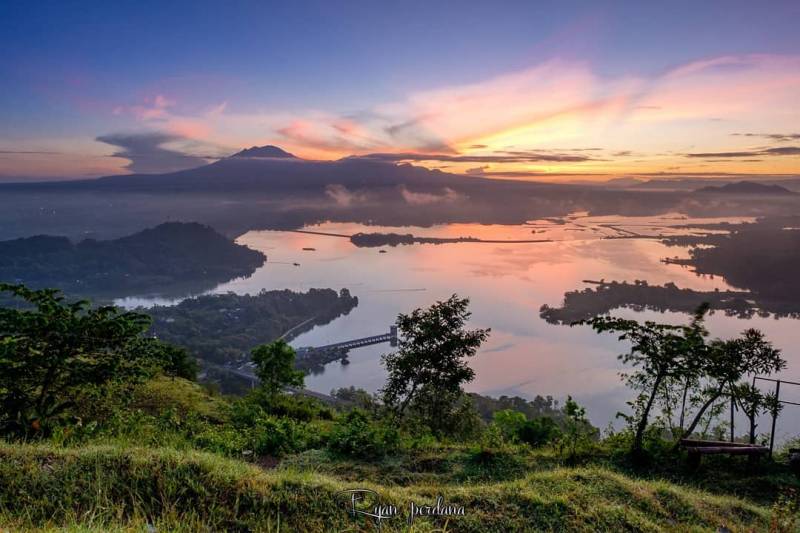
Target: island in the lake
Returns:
[[762, 259], [163, 258], [584, 304], [375, 240]]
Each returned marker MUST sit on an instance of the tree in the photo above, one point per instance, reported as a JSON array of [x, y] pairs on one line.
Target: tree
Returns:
[[175, 361], [753, 402], [576, 425], [427, 372], [51, 350], [727, 361], [659, 352], [275, 367]]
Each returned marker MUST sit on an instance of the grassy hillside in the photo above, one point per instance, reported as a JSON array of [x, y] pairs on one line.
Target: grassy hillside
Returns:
[[98, 433], [102, 488]]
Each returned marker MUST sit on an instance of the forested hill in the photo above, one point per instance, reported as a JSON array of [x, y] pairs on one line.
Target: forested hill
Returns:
[[168, 254]]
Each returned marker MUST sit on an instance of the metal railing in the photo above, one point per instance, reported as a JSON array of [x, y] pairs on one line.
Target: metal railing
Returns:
[[775, 413]]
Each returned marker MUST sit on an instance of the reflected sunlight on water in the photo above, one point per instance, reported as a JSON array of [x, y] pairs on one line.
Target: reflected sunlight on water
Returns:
[[507, 284]]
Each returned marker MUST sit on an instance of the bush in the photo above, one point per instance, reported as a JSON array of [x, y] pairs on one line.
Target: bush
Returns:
[[298, 407], [224, 440], [267, 436], [538, 432], [492, 457], [357, 436], [357, 398], [279, 436], [578, 431], [509, 422], [246, 411]]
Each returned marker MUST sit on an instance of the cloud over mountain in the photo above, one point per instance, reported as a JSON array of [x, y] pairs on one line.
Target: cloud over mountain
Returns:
[[147, 152]]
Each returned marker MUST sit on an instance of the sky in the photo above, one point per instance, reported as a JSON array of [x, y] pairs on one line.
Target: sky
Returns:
[[525, 90]]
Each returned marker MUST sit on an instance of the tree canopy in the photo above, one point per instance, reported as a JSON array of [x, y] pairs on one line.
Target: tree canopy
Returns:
[[677, 367], [430, 367], [275, 367], [51, 349]]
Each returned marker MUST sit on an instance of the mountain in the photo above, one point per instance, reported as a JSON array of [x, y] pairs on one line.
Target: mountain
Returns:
[[271, 169], [264, 151], [745, 187]]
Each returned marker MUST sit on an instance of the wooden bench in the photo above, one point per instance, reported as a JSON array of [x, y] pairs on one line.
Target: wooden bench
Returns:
[[697, 448]]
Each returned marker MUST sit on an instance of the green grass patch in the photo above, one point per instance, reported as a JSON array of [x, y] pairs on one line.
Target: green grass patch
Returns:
[[113, 488]]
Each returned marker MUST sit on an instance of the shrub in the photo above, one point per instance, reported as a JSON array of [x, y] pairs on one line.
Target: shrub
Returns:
[[509, 422], [245, 412], [267, 436], [492, 458], [357, 436], [538, 432], [359, 398], [298, 407], [224, 440], [279, 436]]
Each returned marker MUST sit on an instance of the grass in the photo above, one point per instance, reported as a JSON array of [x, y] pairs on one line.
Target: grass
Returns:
[[183, 396], [118, 488], [155, 467]]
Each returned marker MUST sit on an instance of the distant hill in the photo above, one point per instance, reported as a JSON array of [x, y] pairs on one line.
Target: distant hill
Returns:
[[745, 187], [168, 254], [679, 184]]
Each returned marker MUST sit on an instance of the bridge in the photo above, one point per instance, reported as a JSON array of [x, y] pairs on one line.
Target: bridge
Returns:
[[390, 337], [313, 358]]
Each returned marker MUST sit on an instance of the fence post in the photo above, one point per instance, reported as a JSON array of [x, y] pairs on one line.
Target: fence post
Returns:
[[732, 407], [774, 417]]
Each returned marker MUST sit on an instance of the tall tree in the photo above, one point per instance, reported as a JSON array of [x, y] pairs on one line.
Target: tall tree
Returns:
[[50, 350], [430, 367], [275, 367]]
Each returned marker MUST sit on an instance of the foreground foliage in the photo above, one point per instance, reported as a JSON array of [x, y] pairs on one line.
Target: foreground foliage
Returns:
[[53, 352], [123, 442]]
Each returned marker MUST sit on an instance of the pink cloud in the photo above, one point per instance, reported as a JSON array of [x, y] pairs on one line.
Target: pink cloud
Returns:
[[555, 103], [153, 108]]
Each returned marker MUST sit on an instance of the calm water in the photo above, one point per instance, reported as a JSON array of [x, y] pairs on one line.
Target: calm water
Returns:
[[507, 284]]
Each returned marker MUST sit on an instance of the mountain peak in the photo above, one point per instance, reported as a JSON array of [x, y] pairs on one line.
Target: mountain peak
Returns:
[[264, 151]]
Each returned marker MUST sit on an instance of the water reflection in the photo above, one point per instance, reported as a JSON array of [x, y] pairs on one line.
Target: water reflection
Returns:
[[507, 284]]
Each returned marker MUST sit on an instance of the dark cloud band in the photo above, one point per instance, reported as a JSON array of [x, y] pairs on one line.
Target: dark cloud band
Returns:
[[508, 157], [146, 152]]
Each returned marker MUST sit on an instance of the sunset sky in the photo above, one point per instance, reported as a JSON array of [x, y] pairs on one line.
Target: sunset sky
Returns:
[[529, 90]]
